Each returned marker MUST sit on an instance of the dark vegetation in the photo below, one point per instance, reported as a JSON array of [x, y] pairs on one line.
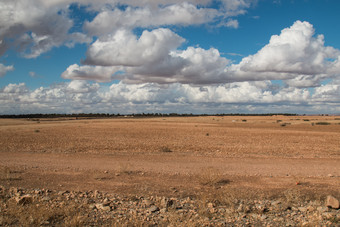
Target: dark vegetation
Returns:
[[107, 115]]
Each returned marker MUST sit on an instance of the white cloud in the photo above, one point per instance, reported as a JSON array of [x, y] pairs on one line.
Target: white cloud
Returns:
[[304, 81], [124, 49], [295, 55], [295, 50], [231, 23], [95, 73], [109, 21], [15, 88], [191, 66], [237, 7], [4, 69], [204, 66], [34, 28], [329, 92], [80, 96], [78, 86]]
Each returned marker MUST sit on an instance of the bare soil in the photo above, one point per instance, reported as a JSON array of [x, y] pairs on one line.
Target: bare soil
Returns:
[[266, 155]]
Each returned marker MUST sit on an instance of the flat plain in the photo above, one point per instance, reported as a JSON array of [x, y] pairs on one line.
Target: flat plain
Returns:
[[246, 156]]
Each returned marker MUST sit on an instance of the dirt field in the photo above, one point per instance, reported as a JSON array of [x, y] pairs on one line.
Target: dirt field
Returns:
[[173, 156]]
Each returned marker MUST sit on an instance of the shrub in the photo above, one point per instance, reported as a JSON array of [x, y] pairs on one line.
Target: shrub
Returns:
[[166, 149], [322, 123], [211, 177]]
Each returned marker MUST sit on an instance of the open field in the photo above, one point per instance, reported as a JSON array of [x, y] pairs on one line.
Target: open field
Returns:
[[238, 157]]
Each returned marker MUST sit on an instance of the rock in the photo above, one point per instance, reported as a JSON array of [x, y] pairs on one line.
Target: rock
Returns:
[[46, 198], [212, 210], [310, 208], [163, 210], [302, 209], [92, 206], [102, 207], [153, 209], [147, 203], [263, 217], [210, 205], [23, 200], [106, 202], [275, 203], [164, 202], [332, 202], [322, 209]]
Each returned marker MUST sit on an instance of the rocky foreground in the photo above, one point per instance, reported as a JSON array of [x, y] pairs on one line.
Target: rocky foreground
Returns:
[[43, 207]]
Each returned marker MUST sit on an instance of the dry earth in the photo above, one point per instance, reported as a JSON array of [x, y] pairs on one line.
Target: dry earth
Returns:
[[239, 157]]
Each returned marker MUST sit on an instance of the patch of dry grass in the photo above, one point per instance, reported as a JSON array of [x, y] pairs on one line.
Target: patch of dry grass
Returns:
[[211, 177]]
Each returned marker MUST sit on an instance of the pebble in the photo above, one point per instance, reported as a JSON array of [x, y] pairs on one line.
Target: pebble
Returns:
[[153, 209]]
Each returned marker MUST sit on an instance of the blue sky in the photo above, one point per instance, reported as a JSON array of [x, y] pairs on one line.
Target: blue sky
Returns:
[[196, 56]]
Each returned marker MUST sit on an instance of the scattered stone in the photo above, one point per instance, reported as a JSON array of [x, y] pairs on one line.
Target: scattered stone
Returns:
[[147, 203], [276, 203], [322, 209], [46, 198], [102, 207], [24, 200], [332, 202], [263, 217], [210, 205], [302, 209], [153, 209]]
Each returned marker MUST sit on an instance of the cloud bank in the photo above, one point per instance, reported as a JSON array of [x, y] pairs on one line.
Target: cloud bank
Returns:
[[79, 96]]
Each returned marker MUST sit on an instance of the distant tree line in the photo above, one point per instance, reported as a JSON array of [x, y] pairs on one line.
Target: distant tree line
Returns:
[[138, 115]]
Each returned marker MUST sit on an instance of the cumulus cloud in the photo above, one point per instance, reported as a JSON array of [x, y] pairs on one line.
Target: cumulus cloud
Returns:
[[34, 27], [237, 7], [78, 86], [95, 73], [123, 48], [296, 56], [190, 66], [329, 92], [231, 23], [4, 69], [184, 13], [295, 50], [81, 96], [15, 88]]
